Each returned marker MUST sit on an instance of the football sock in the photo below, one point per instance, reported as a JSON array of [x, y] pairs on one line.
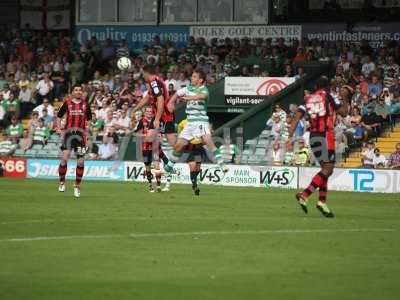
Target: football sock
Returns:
[[316, 182], [79, 174], [149, 176], [193, 178], [169, 179], [163, 157], [62, 171], [323, 191]]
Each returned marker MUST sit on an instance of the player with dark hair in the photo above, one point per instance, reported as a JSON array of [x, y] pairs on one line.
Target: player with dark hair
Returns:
[[198, 127], [157, 96], [322, 109], [74, 135]]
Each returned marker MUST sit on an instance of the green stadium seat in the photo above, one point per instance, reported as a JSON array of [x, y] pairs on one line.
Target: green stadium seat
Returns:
[[42, 153], [19, 152], [53, 154], [37, 147], [30, 153], [54, 137], [261, 151]]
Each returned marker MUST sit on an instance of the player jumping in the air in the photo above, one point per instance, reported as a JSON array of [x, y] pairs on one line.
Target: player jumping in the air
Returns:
[[198, 127], [322, 109], [158, 97], [164, 119], [74, 135], [143, 128]]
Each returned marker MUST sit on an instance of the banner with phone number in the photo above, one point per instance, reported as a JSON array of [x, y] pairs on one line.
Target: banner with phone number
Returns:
[[136, 36]]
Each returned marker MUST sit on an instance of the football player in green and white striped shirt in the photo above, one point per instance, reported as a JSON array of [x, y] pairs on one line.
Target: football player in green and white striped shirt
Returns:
[[198, 127]]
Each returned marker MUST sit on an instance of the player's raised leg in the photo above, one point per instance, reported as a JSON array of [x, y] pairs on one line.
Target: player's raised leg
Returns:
[[208, 141]]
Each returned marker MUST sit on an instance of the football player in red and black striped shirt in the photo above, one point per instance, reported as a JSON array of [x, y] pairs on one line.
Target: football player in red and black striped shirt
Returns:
[[322, 109], [158, 97], [74, 135], [149, 148], [164, 118]]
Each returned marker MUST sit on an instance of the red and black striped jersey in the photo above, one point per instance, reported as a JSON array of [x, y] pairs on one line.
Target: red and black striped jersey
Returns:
[[77, 112], [321, 107], [158, 88]]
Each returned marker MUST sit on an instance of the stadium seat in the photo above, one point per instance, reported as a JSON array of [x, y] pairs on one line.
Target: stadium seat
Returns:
[[30, 153], [37, 147], [19, 152], [41, 153], [54, 137], [53, 154], [261, 151]]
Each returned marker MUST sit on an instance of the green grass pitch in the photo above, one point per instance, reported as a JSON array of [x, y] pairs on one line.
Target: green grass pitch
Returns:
[[120, 242]]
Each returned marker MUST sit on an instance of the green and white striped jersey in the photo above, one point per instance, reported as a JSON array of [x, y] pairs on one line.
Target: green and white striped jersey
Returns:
[[196, 111]]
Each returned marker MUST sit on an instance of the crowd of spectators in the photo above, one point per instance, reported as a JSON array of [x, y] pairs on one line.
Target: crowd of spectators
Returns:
[[373, 78], [37, 69]]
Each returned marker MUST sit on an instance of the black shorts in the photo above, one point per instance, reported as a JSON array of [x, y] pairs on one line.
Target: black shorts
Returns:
[[197, 154], [74, 141], [323, 147], [165, 127]]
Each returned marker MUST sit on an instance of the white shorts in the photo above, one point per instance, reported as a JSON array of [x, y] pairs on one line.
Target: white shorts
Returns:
[[194, 131]]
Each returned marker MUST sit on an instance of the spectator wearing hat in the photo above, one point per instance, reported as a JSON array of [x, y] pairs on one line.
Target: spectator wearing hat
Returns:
[[26, 98]]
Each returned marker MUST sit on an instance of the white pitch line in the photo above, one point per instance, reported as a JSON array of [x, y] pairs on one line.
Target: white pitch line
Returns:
[[194, 234], [45, 221]]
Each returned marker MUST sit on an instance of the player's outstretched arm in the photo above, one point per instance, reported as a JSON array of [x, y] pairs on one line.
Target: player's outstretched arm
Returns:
[[198, 97], [141, 103]]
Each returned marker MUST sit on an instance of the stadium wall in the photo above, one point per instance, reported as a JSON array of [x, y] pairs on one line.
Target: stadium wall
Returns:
[[354, 180]]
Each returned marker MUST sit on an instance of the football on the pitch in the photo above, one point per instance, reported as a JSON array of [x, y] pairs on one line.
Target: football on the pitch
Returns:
[[124, 63]]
